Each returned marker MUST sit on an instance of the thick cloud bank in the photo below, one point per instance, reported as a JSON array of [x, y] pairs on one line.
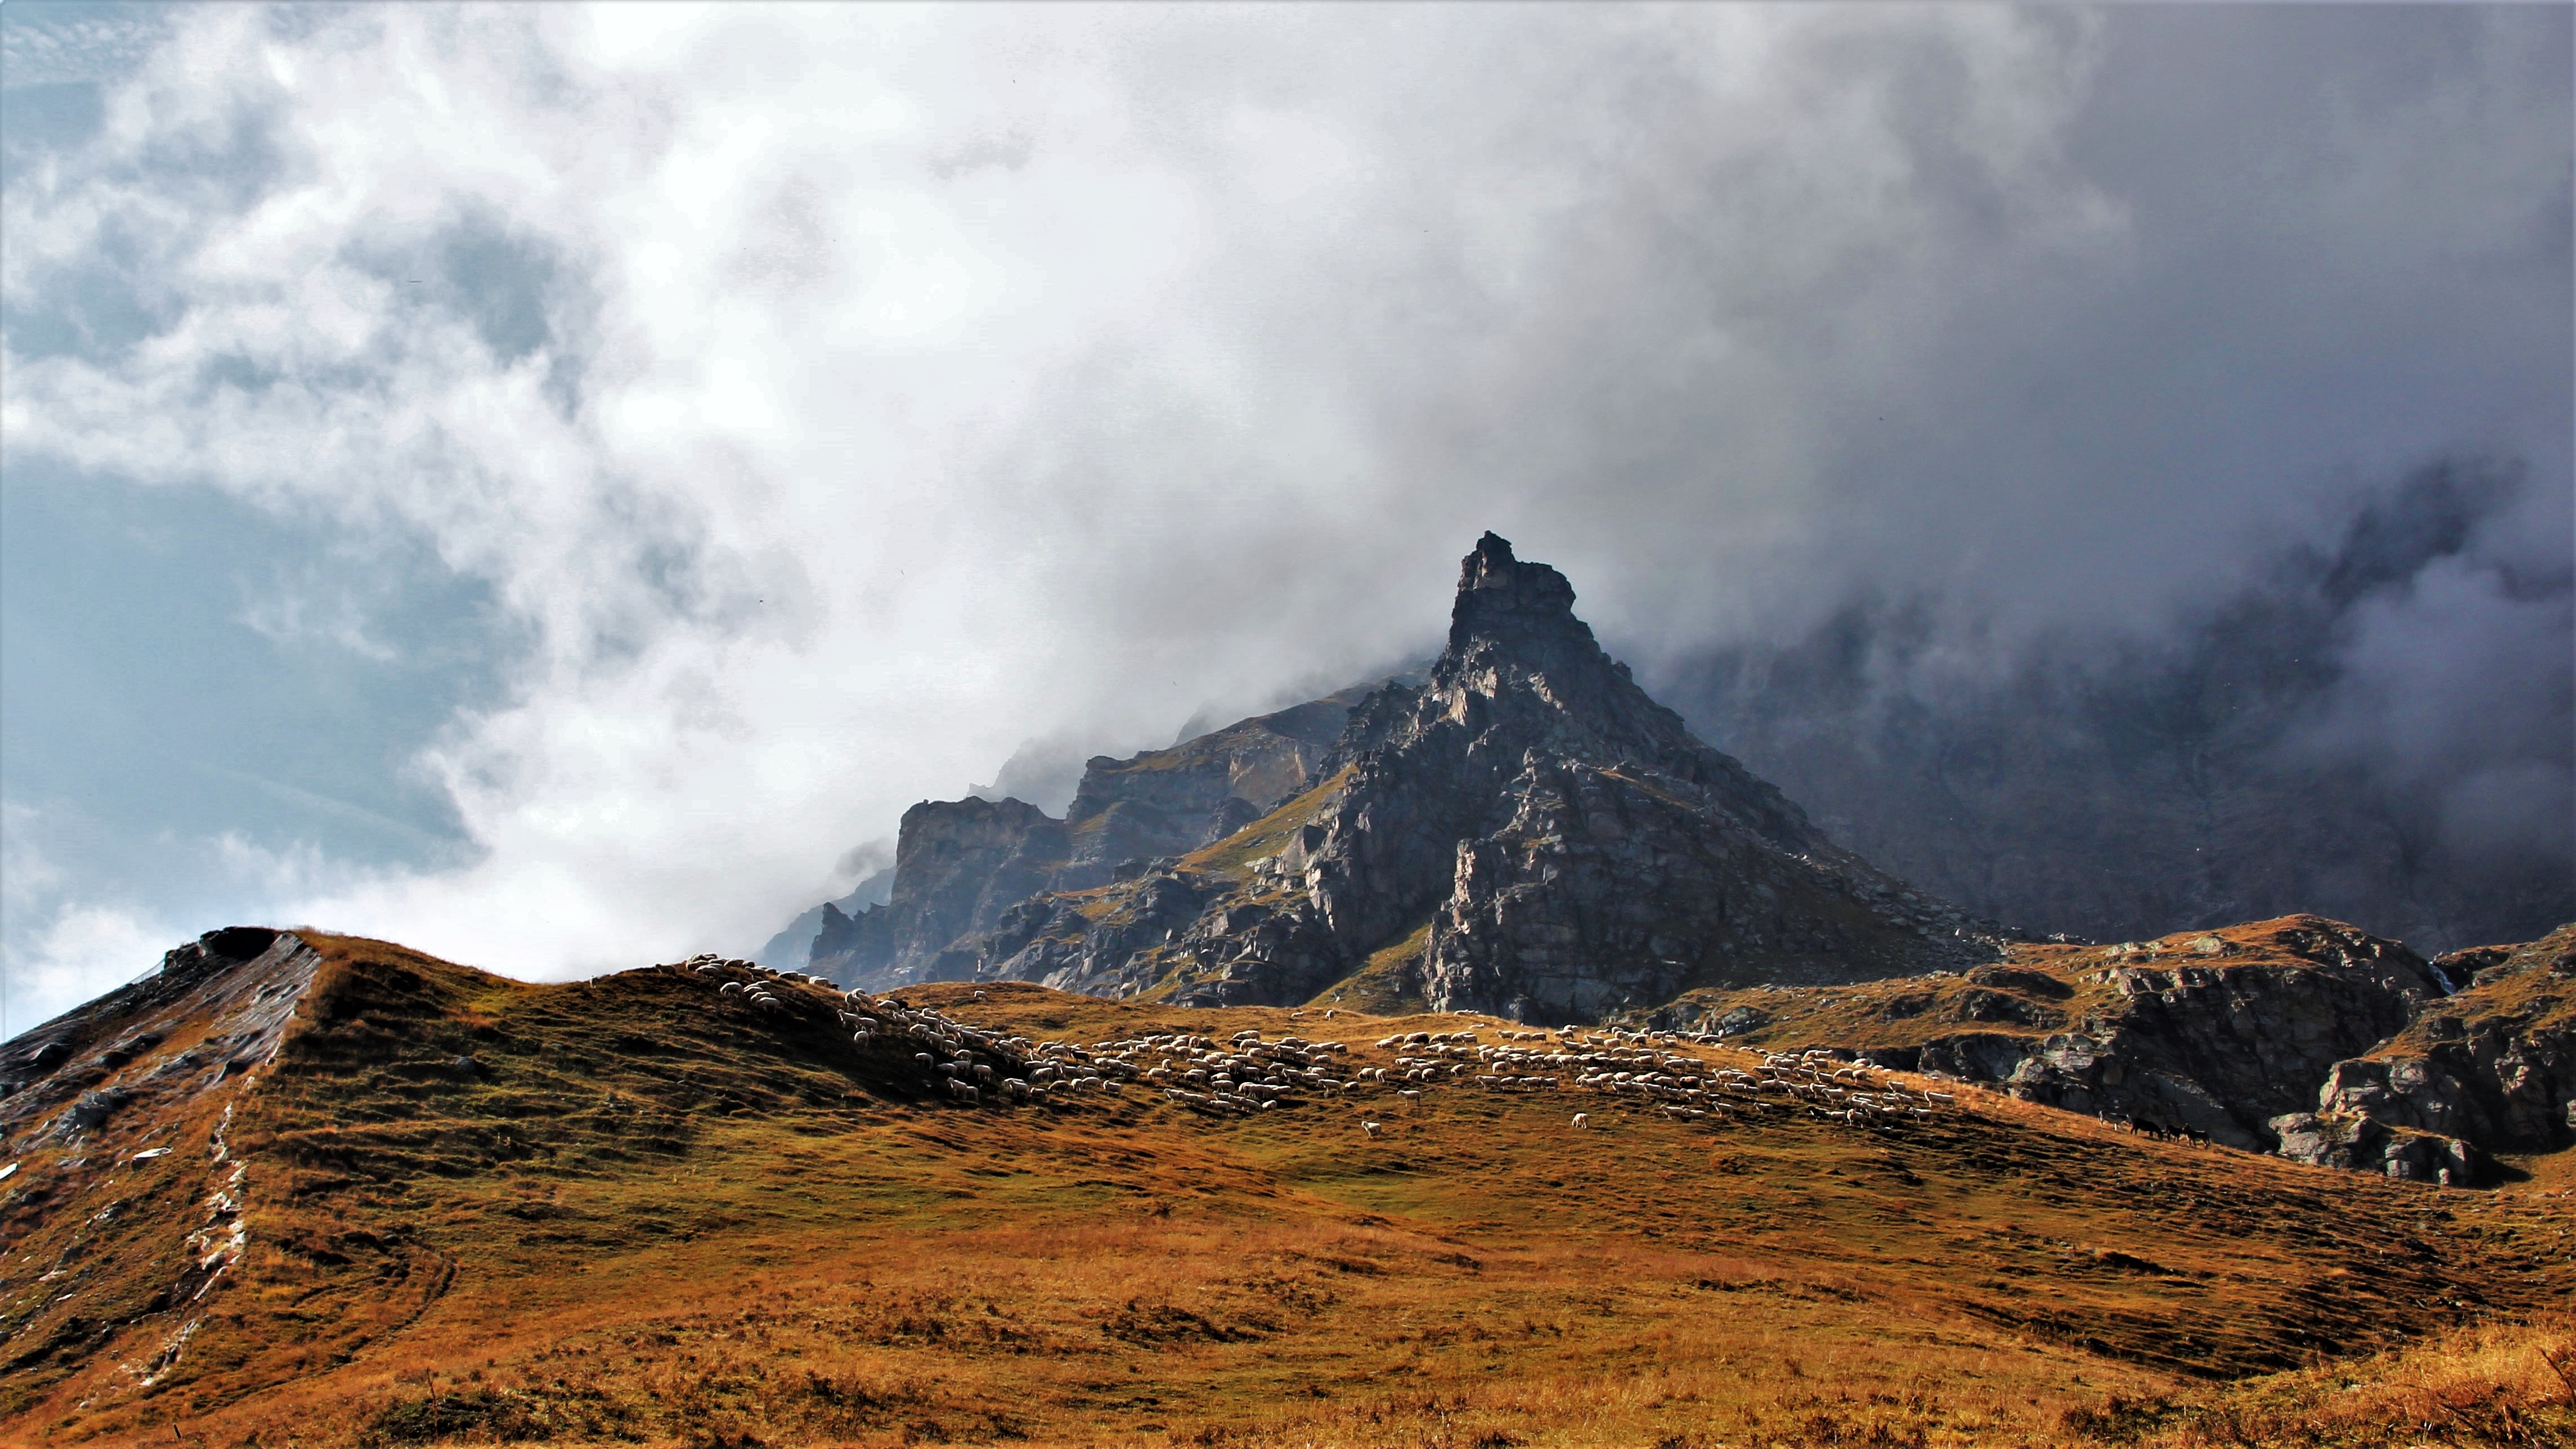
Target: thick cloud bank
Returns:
[[2376, 730], [829, 401]]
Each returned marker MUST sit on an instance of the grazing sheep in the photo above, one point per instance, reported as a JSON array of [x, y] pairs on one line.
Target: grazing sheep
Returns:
[[1582, 1119], [1371, 1128]]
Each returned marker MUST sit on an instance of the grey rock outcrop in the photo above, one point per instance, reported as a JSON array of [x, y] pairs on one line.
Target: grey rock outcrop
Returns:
[[2493, 1066], [2358, 1144], [2224, 1047], [2216, 1034], [792, 949]]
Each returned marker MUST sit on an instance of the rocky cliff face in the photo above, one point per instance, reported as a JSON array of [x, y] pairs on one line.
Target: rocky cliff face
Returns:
[[792, 949], [1527, 832], [958, 865], [2216, 1046], [2493, 1067], [1165, 803], [961, 866]]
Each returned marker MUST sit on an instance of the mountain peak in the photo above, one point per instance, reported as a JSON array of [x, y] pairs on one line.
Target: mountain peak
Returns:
[[1499, 596]]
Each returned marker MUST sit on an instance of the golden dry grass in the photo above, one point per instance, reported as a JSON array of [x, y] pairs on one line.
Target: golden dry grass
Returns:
[[1389, 983], [1232, 857], [658, 1222], [2488, 1384]]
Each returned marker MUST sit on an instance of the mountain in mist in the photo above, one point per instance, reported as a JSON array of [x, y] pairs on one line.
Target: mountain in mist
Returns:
[[2125, 788], [793, 946], [1524, 831]]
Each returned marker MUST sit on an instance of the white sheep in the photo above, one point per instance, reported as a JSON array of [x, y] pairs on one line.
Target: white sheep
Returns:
[[1582, 1119], [1371, 1128]]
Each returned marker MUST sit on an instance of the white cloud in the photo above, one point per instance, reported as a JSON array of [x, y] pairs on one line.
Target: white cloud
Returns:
[[60, 951], [62, 44], [841, 396]]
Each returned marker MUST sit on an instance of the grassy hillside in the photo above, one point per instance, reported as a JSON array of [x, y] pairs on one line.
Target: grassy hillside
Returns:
[[640, 1215]]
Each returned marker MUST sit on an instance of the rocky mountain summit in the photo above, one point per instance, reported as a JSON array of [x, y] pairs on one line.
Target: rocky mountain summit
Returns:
[[1525, 832]]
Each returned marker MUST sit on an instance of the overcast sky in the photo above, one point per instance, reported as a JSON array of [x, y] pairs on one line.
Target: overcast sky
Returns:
[[544, 484]]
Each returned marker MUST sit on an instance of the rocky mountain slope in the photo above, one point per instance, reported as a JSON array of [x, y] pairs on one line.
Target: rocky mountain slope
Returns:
[[961, 864], [1525, 832], [123, 1201], [352, 1195], [792, 949]]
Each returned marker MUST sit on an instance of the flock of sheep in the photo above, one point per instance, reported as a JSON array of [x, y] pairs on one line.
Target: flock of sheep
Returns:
[[1649, 1065], [1246, 1074]]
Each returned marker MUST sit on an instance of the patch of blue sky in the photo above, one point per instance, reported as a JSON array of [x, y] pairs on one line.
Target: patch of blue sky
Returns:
[[201, 694], [172, 659]]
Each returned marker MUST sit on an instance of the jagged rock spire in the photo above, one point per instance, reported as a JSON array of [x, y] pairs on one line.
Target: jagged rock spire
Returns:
[[1498, 595]]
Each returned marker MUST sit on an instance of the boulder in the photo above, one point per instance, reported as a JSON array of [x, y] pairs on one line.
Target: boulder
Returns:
[[2358, 1144]]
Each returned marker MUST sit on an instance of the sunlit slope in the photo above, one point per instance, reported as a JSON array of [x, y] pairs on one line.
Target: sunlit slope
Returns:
[[644, 1211]]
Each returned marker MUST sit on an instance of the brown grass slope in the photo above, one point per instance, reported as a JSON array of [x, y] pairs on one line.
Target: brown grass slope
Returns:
[[641, 1215]]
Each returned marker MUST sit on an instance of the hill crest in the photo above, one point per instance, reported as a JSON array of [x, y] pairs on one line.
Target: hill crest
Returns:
[[684, 1201]]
